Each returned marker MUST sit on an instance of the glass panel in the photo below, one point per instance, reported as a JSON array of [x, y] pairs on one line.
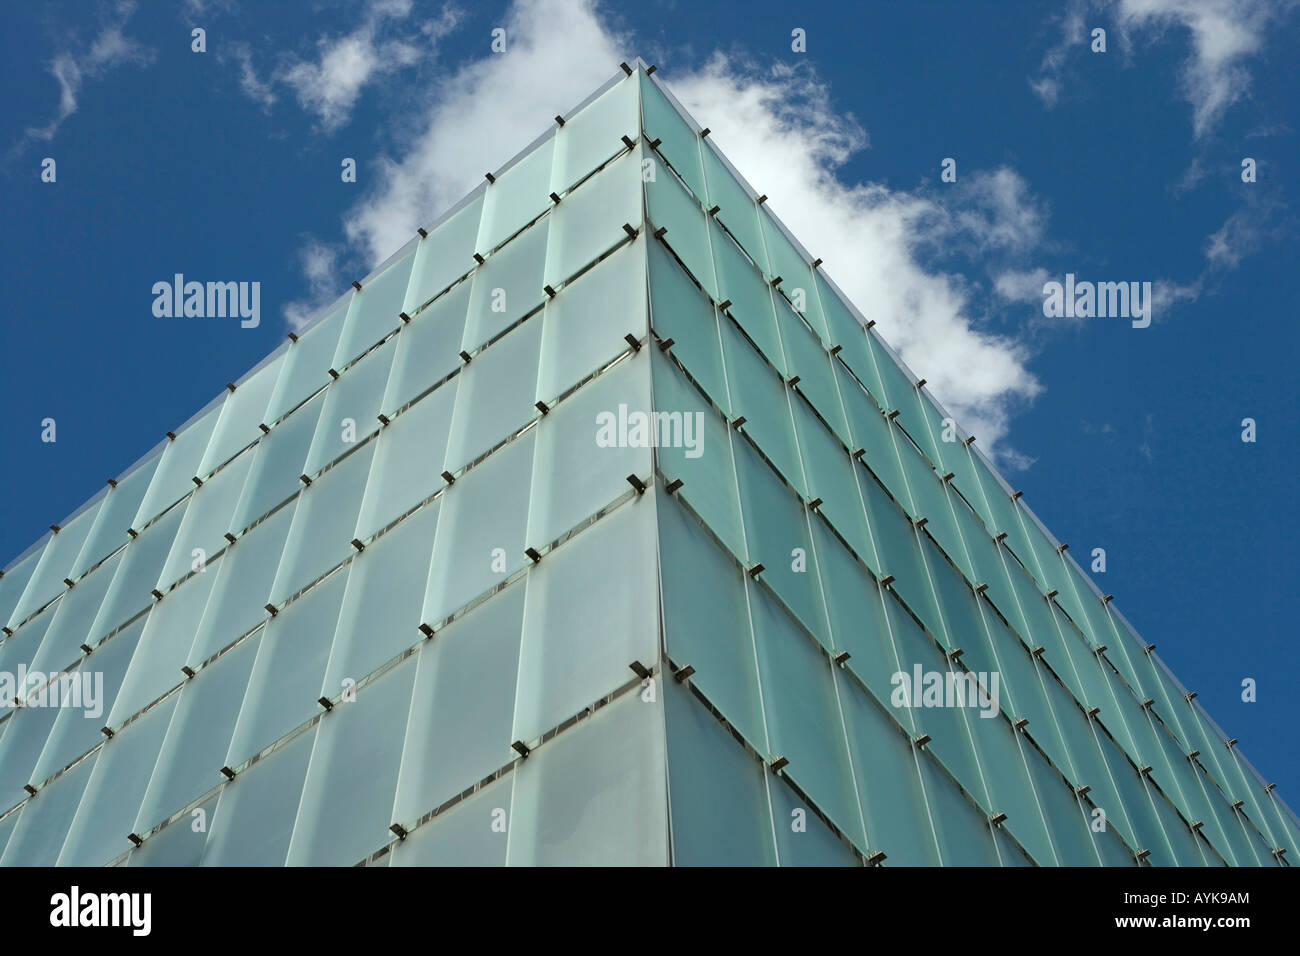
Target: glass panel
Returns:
[[582, 459], [481, 531], [194, 750], [381, 609], [26, 732], [323, 523], [776, 527], [113, 792], [964, 838], [570, 656], [180, 463], [281, 458], [673, 209], [459, 728], [682, 313], [469, 833], [844, 329], [87, 702], [307, 363], [585, 323], [14, 583], [496, 395], [179, 843], [240, 592], [428, 349], [889, 788], [736, 209], [114, 517], [241, 413], [518, 196], [832, 477], [707, 472], [373, 313], [69, 622], [445, 255], [679, 143], [802, 837], [408, 461], [872, 434], [740, 283], [347, 799], [595, 134], [507, 286], [164, 647], [209, 515], [46, 819], [594, 794], [256, 812], [803, 719], [285, 683], [808, 360], [351, 411], [717, 791], [57, 557], [758, 394], [706, 620], [137, 574], [590, 219]]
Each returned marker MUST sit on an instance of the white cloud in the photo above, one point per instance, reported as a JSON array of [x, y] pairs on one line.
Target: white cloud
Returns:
[[1021, 285], [1223, 34], [71, 69], [329, 85], [320, 266], [783, 134]]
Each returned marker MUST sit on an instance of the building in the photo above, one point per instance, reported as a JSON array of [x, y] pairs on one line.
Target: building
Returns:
[[592, 527]]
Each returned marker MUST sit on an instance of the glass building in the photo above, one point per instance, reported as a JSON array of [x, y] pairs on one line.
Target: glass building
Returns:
[[595, 526]]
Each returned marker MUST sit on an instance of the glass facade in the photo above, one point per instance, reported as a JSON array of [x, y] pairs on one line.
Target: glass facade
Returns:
[[595, 527]]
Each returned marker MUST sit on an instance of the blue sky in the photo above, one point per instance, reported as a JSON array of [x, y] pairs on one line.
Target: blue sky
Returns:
[[1122, 165]]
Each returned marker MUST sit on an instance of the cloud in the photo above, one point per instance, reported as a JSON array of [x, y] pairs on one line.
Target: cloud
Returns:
[[329, 85], [72, 68], [320, 267], [1223, 35], [780, 129], [1021, 285]]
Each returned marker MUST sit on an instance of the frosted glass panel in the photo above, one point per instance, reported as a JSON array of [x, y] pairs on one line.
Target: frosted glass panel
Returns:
[[518, 196], [285, 682], [506, 287], [180, 463], [585, 324], [445, 255], [374, 311], [381, 610], [590, 219], [307, 363], [590, 613], [428, 350], [459, 729], [347, 799], [579, 469], [595, 134], [281, 459], [481, 530], [594, 794], [496, 395], [209, 516], [323, 523], [256, 811], [241, 413], [194, 750], [408, 461], [351, 410]]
